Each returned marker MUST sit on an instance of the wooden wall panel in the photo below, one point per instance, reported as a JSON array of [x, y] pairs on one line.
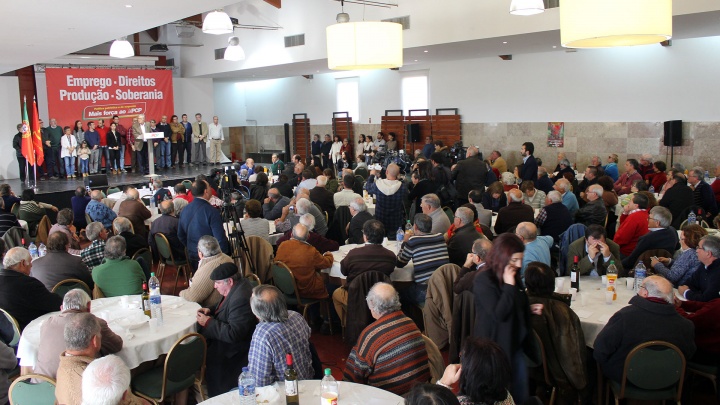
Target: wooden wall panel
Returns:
[[300, 132]]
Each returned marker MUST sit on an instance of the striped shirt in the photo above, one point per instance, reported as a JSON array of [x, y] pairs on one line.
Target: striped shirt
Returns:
[[428, 252], [389, 354]]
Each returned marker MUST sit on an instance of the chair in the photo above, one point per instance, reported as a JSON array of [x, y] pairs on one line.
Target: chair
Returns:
[[22, 391], [438, 308], [645, 258], [253, 279], [167, 259], [704, 370], [548, 380], [184, 367], [359, 179], [14, 237], [16, 328], [15, 209], [187, 184], [88, 219], [357, 317], [463, 323], [435, 360], [701, 223], [653, 371], [132, 229], [112, 190], [66, 285], [362, 172], [285, 281], [450, 214], [97, 292], [146, 255], [261, 254]]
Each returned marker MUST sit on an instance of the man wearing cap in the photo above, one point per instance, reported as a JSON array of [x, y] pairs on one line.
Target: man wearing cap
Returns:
[[228, 328]]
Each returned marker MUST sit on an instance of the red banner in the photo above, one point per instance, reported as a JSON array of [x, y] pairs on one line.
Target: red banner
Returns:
[[94, 94]]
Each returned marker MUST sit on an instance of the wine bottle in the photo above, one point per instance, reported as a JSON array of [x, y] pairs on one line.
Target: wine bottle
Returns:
[[291, 382], [145, 299], [575, 274]]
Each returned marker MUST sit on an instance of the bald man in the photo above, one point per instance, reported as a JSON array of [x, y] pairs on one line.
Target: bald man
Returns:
[[167, 224], [515, 212], [134, 210], [537, 248]]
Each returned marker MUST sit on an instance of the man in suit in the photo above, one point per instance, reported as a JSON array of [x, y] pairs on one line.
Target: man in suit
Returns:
[[705, 282], [530, 166], [273, 204], [228, 328], [59, 265], [139, 129], [660, 236], [589, 249], [469, 174], [187, 143], [677, 198], [484, 215], [199, 138], [359, 213], [167, 224], [135, 211], [461, 242]]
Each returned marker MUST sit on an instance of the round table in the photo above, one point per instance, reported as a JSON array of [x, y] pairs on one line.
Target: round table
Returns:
[[350, 394], [139, 345], [400, 274]]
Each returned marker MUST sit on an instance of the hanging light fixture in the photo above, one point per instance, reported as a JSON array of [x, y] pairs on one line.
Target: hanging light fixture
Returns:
[[526, 7], [217, 23], [121, 48], [234, 51], [609, 23], [364, 45]]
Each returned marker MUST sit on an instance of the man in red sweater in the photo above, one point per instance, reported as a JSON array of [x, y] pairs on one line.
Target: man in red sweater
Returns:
[[704, 316], [633, 224]]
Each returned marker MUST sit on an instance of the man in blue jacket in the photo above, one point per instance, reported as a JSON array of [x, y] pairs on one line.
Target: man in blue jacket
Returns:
[[200, 218]]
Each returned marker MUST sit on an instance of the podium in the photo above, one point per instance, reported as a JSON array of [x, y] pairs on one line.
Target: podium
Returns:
[[149, 137]]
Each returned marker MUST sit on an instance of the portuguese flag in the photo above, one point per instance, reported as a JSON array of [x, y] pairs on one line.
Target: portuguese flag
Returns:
[[27, 144], [37, 135]]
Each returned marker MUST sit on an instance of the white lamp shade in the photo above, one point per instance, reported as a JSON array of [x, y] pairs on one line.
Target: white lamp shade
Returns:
[[121, 48], [526, 7], [364, 45], [217, 23], [609, 23], [234, 53]]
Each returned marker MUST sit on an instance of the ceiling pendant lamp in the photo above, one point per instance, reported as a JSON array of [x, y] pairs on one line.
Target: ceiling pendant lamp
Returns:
[[610, 23], [234, 51], [121, 48], [217, 23], [526, 7], [364, 45]]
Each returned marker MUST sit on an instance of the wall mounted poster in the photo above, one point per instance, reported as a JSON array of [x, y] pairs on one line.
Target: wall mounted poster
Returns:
[[556, 134]]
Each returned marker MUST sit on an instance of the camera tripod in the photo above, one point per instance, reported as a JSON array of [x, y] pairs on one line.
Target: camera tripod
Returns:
[[236, 234]]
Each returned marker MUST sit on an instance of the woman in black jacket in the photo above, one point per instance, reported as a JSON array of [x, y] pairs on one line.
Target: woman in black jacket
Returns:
[[113, 143], [259, 190], [494, 198], [421, 184]]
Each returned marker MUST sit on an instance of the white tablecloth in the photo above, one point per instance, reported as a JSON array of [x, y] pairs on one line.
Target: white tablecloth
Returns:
[[400, 274], [144, 192], [138, 344], [350, 394]]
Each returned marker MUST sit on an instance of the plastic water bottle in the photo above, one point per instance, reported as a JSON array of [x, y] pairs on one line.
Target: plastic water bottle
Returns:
[[155, 299], [707, 176], [246, 387], [399, 236], [33, 250], [42, 250], [692, 218], [651, 189], [408, 226], [640, 273], [328, 389]]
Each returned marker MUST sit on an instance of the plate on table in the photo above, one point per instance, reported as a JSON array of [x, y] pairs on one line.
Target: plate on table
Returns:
[[133, 322]]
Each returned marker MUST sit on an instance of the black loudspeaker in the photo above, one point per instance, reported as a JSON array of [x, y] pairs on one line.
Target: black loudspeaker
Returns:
[[413, 131], [286, 128], [96, 180], [673, 133]]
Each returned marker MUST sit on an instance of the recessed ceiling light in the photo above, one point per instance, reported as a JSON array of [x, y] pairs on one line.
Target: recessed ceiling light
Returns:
[[554, 46], [426, 51], [84, 57], [415, 60], [504, 42], [128, 5]]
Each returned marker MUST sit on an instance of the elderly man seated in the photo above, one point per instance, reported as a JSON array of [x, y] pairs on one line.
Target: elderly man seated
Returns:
[[305, 262], [569, 200], [98, 211], [390, 353], [22, 296], [515, 212], [59, 265], [273, 204], [201, 288], [322, 197], [554, 218], [430, 205], [278, 332], [633, 224], [321, 243], [167, 224], [65, 225], [360, 215], [460, 244], [228, 328], [107, 381], [345, 196], [303, 206], [93, 255], [705, 282], [134, 210], [253, 224], [660, 236], [594, 212], [537, 247], [133, 241], [591, 249], [118, 274], [48, 358], [475, 261]]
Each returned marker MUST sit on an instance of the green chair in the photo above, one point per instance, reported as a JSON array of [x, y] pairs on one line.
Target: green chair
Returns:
[[16, 328], [654, 371], [450, 214], [15, 209], [88, 220], [704, 370], [146, 254], [253, 279], [285, 281], [22, 391], [184, 367], [146, 200], [64, 286], [187, 184], [112, 190], [167, 259]]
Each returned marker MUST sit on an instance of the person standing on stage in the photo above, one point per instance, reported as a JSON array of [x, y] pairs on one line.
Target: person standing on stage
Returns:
[[22, 162], [216, 138], [199, 138], [188, 139]]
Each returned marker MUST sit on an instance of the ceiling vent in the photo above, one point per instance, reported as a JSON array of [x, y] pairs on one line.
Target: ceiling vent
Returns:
[[185, 31], [295, 40], [404, 21], [220, 53], [158, 48]]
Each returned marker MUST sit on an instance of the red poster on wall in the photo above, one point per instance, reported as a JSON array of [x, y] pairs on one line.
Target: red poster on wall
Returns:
[[94, 94]]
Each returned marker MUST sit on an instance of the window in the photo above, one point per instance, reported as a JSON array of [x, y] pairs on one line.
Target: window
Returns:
[[348, 97], [414, 92]]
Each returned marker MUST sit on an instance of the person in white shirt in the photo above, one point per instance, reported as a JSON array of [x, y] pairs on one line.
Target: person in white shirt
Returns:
[[215, 138], [68, 152]]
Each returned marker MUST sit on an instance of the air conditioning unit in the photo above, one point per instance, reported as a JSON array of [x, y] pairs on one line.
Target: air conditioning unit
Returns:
[[158, 48], [185, 31]]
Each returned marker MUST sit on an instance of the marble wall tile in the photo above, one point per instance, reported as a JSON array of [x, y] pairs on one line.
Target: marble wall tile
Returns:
[[639, 146], [702, 130], [646, 130]]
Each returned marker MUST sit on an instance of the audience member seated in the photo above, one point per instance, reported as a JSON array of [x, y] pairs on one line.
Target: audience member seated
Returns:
[[22, 296], [484, 215], [296, 178], [283, 187], [259, 190], [305, 262], [677, 197], [65, 225], [167, 224], [107, 381], [370, 257], [537, 247], [422, 184], [544, 183], [589, 178], [308, 180], [7, 219], [344, 197], [594, 212], [277, 333], [31, 211], [322, 197], [390, 195], [554, 218], [679, 271], [98, 211], [532, 196], [653, 309], [430, 205], [319, 242], [660, 236], [704, 284], [494, 197], [591, 247], [228, 329], [703, 195], [273, 205], [118, 274], [93, 255], [134, 210], [509, 180], [59, 265], [515, 212], [83, 341], [422, 394], [121, 198], [427, 251], [8, 196], [199, 219], [611, 168], [633, 224], [79, 202], [564, 187], [302, 206], [704, 316], [182, 193], [657, 178], [253, 223], [463, 236], [483, 375], [474, 263], [160, 194], [358, 211], [201, 288], [624, 183], [390, 353], [8, 363], [48, 357], [133, 242]]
